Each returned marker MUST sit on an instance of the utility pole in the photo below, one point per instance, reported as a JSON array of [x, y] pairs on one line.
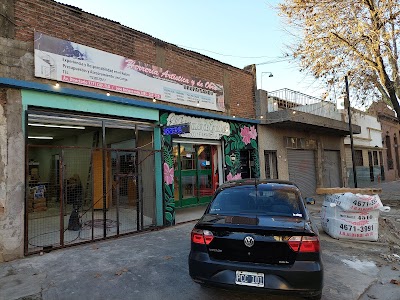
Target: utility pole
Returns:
[[347, 102]]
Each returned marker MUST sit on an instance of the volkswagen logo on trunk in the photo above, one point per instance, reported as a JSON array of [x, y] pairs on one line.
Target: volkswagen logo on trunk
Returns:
[[249, 241]]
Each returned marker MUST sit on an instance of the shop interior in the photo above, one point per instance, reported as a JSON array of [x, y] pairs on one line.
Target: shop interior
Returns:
[[87, 177]]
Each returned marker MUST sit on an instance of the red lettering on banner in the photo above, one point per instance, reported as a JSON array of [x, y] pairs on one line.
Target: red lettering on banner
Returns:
[[211, 86]]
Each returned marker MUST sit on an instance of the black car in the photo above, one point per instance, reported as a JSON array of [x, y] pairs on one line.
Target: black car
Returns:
[[257, 235]]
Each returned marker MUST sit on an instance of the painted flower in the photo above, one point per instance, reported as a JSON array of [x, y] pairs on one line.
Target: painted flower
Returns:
[[230, 177], [168, 174], [246, 134], [253, 132]]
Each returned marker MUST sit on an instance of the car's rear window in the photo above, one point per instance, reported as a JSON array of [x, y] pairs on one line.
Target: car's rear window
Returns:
[[258, 200]]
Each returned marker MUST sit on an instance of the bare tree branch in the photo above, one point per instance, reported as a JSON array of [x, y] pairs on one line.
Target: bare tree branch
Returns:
[[342, 36]]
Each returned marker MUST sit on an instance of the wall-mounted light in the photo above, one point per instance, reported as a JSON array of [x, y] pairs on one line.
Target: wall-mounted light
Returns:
[[55, 126], [57, 85], [198, 103], [40, 137], [108, 94], [238, 104], [233, 116], [154, 99], [261, 117]]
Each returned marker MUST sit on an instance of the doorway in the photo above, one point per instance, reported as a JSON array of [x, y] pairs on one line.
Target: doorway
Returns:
[[271, 165], [195, 173]]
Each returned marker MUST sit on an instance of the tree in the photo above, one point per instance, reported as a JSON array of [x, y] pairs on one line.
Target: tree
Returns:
[[346, 37]]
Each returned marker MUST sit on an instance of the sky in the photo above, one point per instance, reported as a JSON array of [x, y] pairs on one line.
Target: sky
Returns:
[[236, 32]]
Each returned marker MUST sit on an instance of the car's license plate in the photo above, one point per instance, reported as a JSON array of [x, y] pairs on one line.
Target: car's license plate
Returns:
[[249, 278]]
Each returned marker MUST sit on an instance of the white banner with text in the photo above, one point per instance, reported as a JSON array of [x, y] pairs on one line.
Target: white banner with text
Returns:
[[65, 61]]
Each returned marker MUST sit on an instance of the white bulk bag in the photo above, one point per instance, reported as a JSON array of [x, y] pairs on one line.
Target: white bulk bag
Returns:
[[354, 202], [366, 230]]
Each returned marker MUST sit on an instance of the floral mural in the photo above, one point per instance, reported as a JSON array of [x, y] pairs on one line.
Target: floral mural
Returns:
[[242, 137], [168, 174], [248, 133]]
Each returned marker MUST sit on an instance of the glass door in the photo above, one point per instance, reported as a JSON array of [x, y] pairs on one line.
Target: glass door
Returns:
[[205, 168], [195, 181], [187, 176]]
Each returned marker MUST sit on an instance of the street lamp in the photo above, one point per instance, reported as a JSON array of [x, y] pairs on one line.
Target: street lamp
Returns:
[[262, 74]]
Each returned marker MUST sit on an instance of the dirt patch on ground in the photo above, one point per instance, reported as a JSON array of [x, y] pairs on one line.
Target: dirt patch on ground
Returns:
[[389, 224]]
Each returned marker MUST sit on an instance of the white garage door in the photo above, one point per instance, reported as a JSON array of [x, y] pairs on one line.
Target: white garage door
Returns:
[[302, 170]]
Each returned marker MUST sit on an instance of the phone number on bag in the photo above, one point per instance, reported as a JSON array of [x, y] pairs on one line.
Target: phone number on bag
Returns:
[[364, 228]]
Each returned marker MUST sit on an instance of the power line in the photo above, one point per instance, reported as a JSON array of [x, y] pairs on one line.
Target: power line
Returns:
[[230, 55]]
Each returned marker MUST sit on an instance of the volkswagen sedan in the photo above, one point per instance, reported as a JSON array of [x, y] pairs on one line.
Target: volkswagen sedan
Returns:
[[257, 235]]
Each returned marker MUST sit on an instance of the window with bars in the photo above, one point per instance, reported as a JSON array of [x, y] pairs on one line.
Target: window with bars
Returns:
[[358, 158], [389, 153]]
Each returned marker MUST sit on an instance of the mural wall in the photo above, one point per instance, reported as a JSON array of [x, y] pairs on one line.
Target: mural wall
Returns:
[[241, 138]]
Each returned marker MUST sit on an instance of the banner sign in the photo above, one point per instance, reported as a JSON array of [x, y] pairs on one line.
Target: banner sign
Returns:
[[66, 61], [200, 128]]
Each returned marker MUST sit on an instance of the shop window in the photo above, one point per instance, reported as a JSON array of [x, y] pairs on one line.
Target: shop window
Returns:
[[375, 155], [396, 153], [371, 166], [381, 164], [389, 153], [358, 158]]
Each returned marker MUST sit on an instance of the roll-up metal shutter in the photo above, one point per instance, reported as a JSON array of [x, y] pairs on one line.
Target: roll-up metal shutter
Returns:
[[302, 170], [331, 173]]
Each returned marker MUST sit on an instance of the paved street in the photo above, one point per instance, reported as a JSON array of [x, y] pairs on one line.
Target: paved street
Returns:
[[153, 265]]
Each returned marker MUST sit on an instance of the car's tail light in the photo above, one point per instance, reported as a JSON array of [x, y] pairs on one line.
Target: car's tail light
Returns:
[[304, 243], [202, 236]]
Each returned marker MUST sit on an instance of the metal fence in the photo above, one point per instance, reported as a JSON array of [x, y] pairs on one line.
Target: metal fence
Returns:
[[76, 195], [366, 176]]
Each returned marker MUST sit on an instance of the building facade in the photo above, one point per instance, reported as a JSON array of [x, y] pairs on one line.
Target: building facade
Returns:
[[90, 120], [390, 139], [302, 140], [368, 151]]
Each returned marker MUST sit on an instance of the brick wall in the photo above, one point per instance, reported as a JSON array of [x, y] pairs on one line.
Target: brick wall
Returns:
[[69, 23]]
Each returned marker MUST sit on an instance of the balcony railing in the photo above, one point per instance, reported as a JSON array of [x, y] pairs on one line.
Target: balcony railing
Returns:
[[288, 99]]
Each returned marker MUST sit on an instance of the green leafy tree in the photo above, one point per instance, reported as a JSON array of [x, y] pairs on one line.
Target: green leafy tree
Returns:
[[346, 37]]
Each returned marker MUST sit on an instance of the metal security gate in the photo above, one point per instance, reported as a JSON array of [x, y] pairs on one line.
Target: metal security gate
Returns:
[[331, 175], [89, 194], [302, 170]]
